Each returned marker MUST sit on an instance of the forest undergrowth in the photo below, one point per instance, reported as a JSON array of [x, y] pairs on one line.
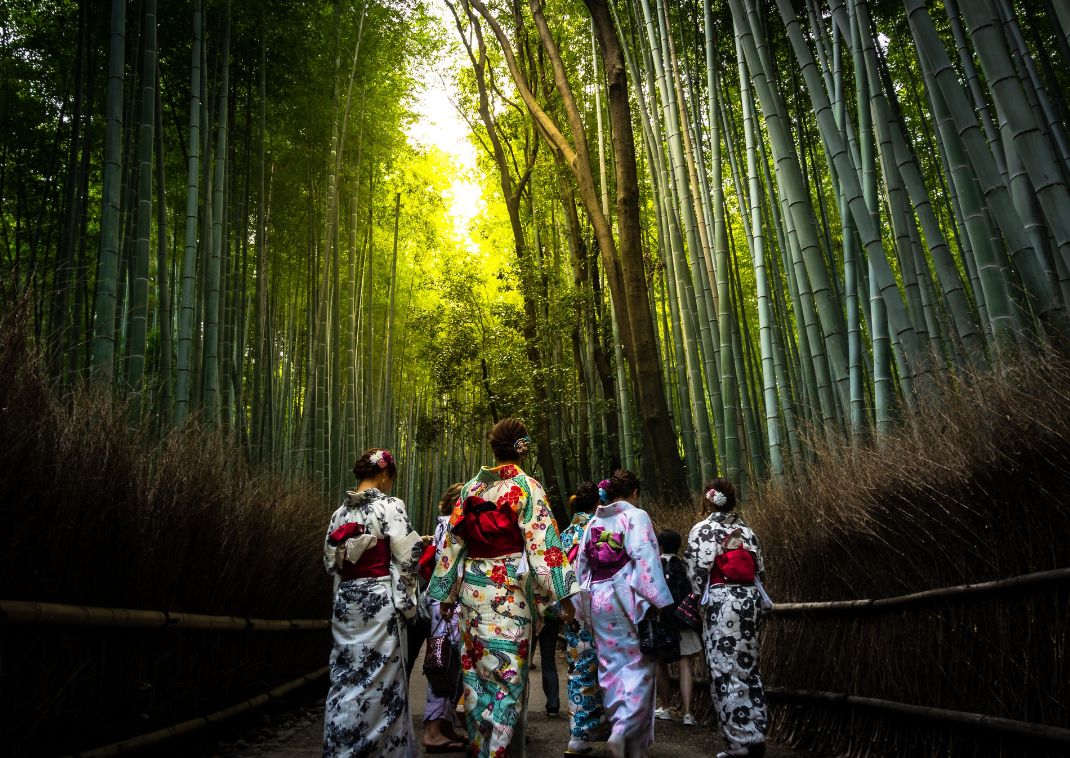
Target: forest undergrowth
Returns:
[[98, 514], [977, 488]]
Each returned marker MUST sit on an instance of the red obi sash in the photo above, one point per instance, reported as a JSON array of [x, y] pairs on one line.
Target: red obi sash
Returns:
[[489, 529], [605, 551], [736, 566], [374, 563]]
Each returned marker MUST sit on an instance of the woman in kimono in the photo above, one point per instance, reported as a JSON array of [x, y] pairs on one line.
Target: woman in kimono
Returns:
[[440, 713], [620, 572], [372, 552], [587, 715], [724, 559], [503, 562]]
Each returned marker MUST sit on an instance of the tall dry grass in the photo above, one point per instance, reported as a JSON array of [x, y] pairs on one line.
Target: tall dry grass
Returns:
[[97, 513], [976, 488]]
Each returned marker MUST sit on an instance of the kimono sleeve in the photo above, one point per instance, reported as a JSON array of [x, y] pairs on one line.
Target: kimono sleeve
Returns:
[[445, 583], [698, 555], [551, 572], [329, 562], [642, 546], [406, 547]]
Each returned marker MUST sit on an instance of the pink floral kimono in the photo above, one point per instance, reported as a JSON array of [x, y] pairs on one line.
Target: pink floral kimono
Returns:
[[621, 579]]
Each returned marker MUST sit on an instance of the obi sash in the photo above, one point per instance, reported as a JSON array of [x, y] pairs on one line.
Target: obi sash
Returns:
[[605, 552], [489, 529], [374, 563], [736, 565], [361, 555]]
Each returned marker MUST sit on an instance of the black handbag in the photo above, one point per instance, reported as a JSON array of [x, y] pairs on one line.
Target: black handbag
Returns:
[[687, 612], [442, 665], [659, 640]]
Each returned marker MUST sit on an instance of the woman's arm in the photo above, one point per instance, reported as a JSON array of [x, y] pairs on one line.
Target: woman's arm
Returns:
[[553, 576], [642, 545], [406, 546]]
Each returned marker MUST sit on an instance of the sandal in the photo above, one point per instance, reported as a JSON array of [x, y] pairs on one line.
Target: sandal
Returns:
[[445, 747]]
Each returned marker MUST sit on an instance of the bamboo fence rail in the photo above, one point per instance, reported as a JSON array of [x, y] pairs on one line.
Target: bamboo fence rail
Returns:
[[27, 612], [1044, 732], [943, 594], [200, 722]]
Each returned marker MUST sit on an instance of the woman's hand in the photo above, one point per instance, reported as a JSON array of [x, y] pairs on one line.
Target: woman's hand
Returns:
[[446, 610]]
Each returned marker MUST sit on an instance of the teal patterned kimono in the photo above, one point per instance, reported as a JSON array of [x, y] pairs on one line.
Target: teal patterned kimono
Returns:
[[586, 711], [499, 598]]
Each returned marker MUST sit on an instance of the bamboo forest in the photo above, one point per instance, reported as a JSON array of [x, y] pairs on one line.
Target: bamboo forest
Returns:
[[799, 244]]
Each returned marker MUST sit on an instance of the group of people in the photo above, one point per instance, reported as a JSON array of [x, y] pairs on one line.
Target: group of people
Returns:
[[501, 568]]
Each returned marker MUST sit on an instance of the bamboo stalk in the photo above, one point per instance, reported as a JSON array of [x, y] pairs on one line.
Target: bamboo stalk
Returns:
[[1044, 732], [28, 612], [200, 722], [957, 592]]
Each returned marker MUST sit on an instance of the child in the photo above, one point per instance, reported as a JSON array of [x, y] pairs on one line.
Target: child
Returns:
[[690, 645]]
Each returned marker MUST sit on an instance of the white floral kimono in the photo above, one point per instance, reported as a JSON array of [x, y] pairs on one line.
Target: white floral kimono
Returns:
[[730, 631], [367, 712], [621, 579]]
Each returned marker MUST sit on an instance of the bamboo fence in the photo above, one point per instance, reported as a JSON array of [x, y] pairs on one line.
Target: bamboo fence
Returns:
[[27, 612]]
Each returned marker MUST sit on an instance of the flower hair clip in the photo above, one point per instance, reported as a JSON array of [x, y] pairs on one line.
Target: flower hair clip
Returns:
[[603, 490], [522, 445], [717, 498], [381, 458]]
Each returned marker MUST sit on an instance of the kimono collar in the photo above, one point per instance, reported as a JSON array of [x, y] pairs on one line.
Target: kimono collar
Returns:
[[581, 519], [612, 509], [727, 518], [494, 474], [355, 499]]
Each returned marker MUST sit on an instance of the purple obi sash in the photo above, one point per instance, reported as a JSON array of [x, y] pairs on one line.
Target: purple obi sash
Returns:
[[605, 551]]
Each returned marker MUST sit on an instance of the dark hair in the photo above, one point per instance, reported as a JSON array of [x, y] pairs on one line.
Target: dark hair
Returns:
[[586, 498], [669, 541], [449, 498], [621, 484], [726, 488], [364, 468], [503, 437]]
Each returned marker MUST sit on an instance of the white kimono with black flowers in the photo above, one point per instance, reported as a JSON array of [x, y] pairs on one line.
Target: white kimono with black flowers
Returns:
[[730, 631], [367, 711]]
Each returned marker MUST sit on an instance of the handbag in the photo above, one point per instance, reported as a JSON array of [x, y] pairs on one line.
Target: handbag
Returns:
[[687, 613], [442, 665], [659, 640]]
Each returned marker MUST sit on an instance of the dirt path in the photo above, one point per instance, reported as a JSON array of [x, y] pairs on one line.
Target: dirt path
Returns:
[[297, 732]]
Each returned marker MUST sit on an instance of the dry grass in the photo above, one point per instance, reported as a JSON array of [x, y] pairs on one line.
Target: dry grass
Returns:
[[96, 513], [976, 489]]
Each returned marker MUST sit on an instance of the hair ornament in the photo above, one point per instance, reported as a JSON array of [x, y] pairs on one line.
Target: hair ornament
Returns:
[[603, 491], [381, 458], [717, 498], [522, 445]]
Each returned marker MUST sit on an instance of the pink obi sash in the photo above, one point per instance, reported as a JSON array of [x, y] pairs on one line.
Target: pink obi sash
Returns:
[[605, 551]]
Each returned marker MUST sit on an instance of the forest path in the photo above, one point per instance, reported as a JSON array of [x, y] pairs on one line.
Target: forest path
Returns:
[[299, 733]]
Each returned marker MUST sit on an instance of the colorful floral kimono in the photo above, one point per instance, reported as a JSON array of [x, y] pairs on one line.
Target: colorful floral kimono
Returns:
[[621, 579], [373, 551], [586, 710], [503, 580], [730, 631], [438, 707]]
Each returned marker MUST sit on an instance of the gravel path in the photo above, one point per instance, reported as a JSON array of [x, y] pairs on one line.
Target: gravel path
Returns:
[[296, 731]]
